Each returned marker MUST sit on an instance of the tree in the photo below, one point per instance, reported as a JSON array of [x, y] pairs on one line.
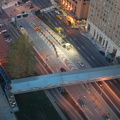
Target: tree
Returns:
[[21, 61]]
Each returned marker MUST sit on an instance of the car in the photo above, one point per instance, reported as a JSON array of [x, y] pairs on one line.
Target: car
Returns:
[[62, 70], [56, 8], [31, 6], [105, 117], [81, 103], [21, 27], [81, 64], [4, 31], [100, 83], [8, 40], [6, 35], [76, 27], [108, 59], [102, 53], [23, 12], [57, 11], [58, 16]]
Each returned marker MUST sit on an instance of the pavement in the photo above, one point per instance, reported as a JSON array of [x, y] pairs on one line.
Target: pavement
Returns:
[[5, 109], [55, 104]]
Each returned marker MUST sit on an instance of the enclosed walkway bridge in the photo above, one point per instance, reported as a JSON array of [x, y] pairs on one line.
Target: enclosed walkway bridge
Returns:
[[64, 79]]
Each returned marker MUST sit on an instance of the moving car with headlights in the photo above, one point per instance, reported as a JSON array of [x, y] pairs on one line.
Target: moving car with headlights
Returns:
[[58, 16], [81, 103]]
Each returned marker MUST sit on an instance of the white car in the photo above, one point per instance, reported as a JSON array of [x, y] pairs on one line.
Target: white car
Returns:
[[4, 31], [8, 40], [81, 64]]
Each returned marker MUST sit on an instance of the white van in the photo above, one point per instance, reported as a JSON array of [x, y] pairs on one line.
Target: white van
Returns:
[[4, 31]]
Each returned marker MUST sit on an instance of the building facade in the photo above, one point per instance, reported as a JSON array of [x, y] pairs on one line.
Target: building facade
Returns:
[[104, 24], [78, 7]]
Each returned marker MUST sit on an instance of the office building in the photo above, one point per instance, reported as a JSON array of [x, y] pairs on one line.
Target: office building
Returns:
[[103, 23], [78, 7]]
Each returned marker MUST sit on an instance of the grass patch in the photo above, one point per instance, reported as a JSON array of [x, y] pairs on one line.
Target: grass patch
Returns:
[[35, 106]]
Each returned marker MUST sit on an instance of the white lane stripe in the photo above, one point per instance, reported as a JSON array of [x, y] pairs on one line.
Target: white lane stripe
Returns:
[[96, 111], [92, 57], [78, 48], [88, 58], [115, 81], [91, 113], [82, 47]]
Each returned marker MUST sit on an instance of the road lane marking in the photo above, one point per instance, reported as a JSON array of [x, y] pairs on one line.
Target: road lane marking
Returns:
[[59, 22], [55, 23], [88, 58], [92, 57], [82, 47], [96, 111], [78, 48], [91, 113], [115, 81]]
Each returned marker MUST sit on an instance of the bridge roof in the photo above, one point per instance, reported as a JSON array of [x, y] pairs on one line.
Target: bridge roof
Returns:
[[66, 78]]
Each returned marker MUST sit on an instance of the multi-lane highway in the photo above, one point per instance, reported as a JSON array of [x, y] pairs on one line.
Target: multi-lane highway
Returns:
[[40, 40], [83, 45]]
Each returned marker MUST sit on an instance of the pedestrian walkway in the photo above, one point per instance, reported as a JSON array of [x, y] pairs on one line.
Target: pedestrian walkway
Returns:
[[5, 109]]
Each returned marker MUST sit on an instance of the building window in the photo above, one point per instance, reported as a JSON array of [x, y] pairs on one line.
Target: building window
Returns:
[[100, 39], [106, 44], [97, 36], [89, 27], [103, 42]]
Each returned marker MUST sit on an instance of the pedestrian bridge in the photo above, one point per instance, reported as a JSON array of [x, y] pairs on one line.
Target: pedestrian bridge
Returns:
[[42, 82]]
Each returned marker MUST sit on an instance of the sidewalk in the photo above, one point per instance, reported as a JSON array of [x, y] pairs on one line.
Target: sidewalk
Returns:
[[5, 110]]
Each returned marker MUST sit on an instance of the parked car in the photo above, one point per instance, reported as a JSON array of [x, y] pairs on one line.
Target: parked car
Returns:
[[8, 40], [6, 35], [81, 103], [105, 117], [62, 70], [102, 53], [108, 59]]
